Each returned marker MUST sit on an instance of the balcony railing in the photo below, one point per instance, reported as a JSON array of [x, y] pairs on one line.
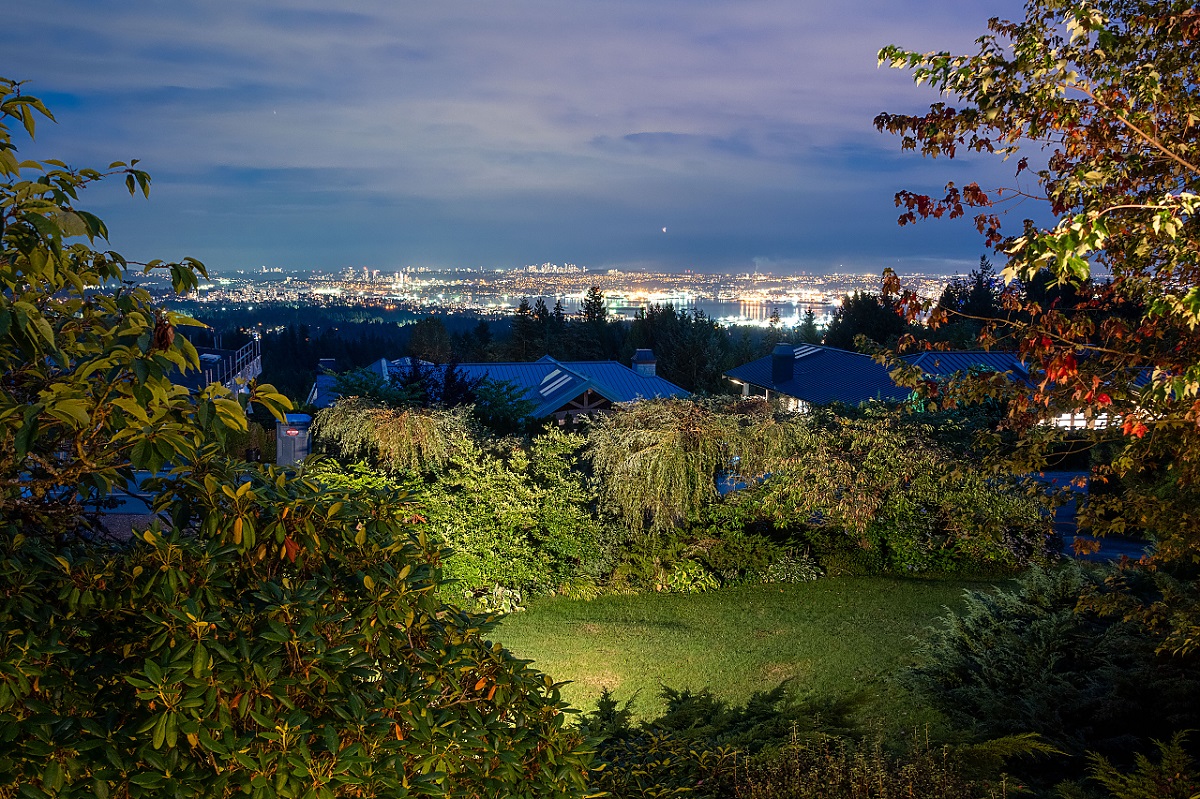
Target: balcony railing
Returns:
[[245, 364]]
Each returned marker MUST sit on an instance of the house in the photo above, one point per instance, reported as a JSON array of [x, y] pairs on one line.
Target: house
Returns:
[[324, 389], [566, 389], [812, 374], [559, 389]]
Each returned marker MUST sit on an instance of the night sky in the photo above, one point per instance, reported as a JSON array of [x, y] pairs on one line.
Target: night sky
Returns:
[[502, 133]]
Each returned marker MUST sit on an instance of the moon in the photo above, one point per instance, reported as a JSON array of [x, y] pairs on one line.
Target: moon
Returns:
[[664, 230]]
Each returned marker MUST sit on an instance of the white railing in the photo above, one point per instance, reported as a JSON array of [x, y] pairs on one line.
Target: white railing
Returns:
[[245, 364]]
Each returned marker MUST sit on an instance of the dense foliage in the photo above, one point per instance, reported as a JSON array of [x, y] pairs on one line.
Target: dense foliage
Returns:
[[521, 520], [1095, 105], [768, 749], [1106, 95], [875, 488], [865, 314], [641, 499], [1027, 660], [267, 636], [85, 376]]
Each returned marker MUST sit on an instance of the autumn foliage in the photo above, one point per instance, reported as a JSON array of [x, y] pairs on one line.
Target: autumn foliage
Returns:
[[1096, 105]]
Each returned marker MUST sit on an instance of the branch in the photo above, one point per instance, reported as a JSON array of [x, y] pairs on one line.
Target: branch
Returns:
[[1153, 141]]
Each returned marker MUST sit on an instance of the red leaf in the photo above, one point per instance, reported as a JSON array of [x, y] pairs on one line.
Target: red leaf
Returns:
[[291, 549]]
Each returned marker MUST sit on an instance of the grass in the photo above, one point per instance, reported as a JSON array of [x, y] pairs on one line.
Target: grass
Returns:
[[833, 640]]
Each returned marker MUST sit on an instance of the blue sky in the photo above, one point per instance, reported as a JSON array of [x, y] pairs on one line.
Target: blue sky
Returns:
[[387, 134]]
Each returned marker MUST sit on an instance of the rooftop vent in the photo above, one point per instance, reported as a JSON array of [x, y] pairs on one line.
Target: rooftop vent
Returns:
[[553, 382]]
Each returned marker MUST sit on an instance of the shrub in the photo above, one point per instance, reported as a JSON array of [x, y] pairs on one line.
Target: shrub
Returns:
[[792, 567], [876, 492], [1029, 660], [836, 768], [1173, 776], [768, 749], [515, 517], [267, 636], [295, 642], [690, 577]]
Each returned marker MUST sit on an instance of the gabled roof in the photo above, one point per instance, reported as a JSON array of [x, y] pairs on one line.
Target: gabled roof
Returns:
[[942, 364], [821, 375], [551, 384], [548, 383], [323, 392]]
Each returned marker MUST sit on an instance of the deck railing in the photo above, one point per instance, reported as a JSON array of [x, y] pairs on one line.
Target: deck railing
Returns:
[[246, 363]]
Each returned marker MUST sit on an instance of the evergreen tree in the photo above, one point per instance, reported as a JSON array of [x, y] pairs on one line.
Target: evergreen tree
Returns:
[[541, 314], [593, 310], [430, 341], [866, 314], [807, 331], [523, 344]]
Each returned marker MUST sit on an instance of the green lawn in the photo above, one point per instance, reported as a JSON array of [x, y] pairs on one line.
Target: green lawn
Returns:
[[831, 639]]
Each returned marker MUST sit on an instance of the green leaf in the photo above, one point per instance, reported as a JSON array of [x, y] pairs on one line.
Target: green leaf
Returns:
[[71, 410], [160, 731], [199, 660]]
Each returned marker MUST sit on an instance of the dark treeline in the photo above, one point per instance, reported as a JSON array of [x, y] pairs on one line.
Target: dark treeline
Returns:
[[692, 348]]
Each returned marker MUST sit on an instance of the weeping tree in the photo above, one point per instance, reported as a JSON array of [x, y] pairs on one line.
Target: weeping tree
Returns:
[[659, 460], [413, 440], [875, 481]]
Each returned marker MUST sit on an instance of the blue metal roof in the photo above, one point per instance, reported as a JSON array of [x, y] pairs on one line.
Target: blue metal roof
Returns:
[[550, 384], [821, 375], [323, 393], [941, 364], [621, 384]]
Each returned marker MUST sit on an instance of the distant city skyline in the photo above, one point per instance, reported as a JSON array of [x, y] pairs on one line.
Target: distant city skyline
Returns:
[[713, 136], [745, 298]]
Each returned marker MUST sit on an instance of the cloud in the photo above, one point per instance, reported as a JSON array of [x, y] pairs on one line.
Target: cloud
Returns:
[[555, 110]]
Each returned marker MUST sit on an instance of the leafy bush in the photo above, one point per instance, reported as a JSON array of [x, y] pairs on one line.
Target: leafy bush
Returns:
[[268, 635], [876, 492], [516, 517], [519, 519], [866, 491], [837, 768], [690, 577], [792, 567], [494, 601]]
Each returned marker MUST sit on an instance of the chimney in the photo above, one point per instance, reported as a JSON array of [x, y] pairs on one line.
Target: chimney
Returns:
[[327, 365], [644, 363], [783, 362]]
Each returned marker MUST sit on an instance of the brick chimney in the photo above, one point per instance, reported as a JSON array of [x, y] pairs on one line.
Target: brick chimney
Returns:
[[644, 363], [783, 362]]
